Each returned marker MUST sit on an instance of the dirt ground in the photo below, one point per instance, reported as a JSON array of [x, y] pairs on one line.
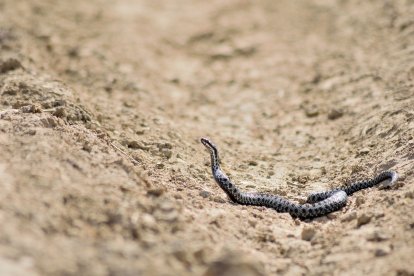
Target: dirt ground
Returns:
[[103, 104]]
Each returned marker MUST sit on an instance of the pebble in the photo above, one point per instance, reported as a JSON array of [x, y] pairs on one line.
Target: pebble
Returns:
[[31, 108], [216, 216], [235, 264], [409, 194], [156, 191], [60, 112], [167, 216], [312, 112], [87, 147], [164, 145], [252, 223], [390, 200], [204, 193], [308, 233], [49, 122], [167, 153], [363, 219], [356, 168], [377, 236], [159, 166], [359, 201], [379, 214], [148, 221], [9, 65], [351, 216], [364, 151], [219, 199], [379, 252], [303, 179], [253, 163], [132, 144], [334, 114], [332, 215], [178, 196], [30, 132], [166, 205], [277, 191]]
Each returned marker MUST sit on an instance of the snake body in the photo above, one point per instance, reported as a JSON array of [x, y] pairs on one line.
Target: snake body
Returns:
[[318, 204]]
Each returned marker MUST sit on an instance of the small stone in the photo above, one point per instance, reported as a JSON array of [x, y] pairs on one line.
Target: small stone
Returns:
[[49, 122], [252, 163], [170, 216], [166, 211], [148, 221], [377, 236], [364, 151], [405, 272], [279, 192], [9, 65], [30, 132], [133, 144], [204, 194], [59, 102], [167, 206], [356, 168], [60, 112], [378, 214], [380, 252], [363, 219], [156, 191], [201, 255], [73, 52], [332, 215], [31, 108], [351, 216], [219, 199], [302, 179], [164, 146], [5, 35], [198, 205], [409, 194], [359, 201], [252, 223], [235, 264], [216, 216], [178, 196], [311, 111], [167, 153], [87, 147], [159, 166], [308, 233], [390, 200], [334, 114]]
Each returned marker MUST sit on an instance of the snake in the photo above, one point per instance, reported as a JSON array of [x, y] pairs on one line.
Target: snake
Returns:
[[317, 203]]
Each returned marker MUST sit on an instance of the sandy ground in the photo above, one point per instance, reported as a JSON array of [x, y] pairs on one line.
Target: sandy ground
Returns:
[[103, 104]]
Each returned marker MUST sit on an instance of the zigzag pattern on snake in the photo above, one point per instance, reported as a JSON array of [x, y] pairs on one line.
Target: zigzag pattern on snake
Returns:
[[318, 204]]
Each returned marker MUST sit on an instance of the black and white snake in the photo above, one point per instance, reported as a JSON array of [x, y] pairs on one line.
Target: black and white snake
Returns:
[[318, 204]]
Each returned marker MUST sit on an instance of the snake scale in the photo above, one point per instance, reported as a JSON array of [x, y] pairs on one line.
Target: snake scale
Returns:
[[318, 204]]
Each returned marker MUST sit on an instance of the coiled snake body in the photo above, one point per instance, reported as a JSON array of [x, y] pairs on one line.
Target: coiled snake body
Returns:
[[318, 204]]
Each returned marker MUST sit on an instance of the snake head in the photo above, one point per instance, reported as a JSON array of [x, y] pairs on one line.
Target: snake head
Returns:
[[208, 144]]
